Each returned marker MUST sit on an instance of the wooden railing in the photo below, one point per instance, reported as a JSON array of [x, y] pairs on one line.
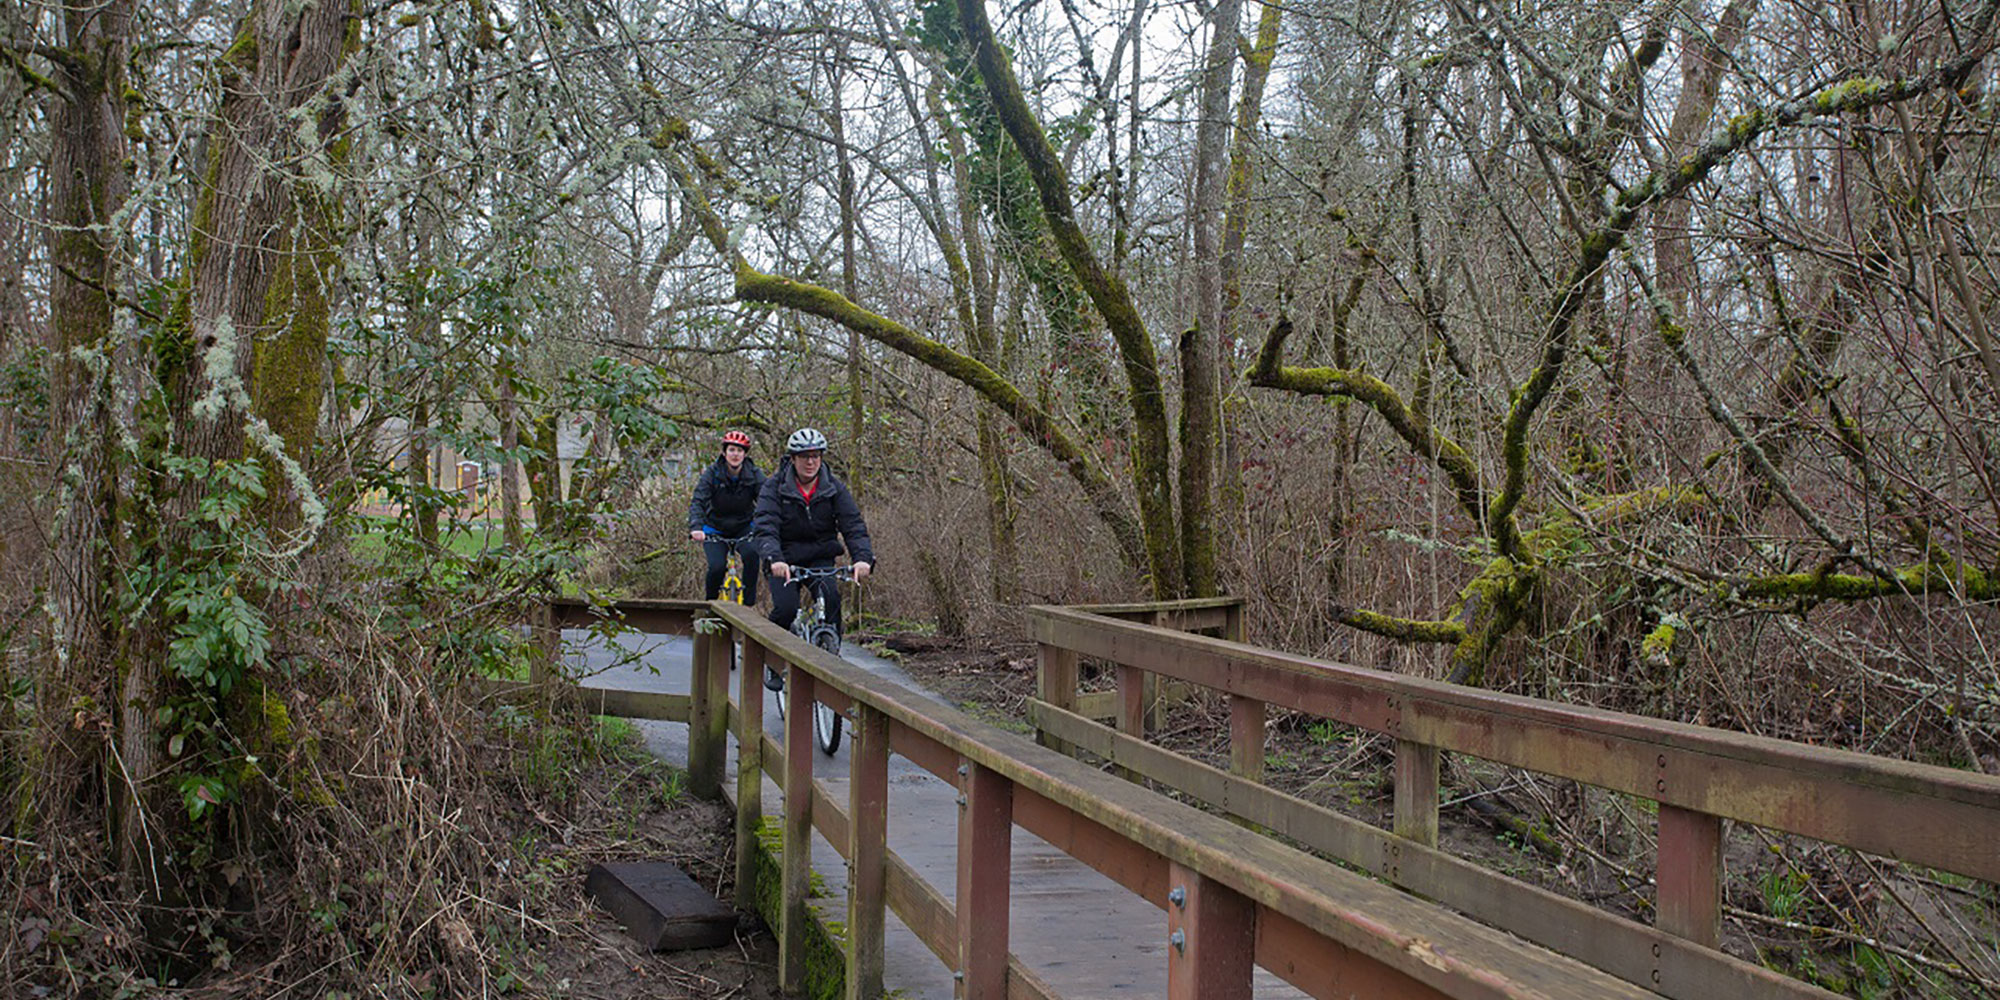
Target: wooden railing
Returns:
[[1231, 898], [1697, 777]]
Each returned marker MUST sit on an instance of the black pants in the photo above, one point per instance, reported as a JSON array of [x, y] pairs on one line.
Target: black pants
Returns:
[[785, 600], [718, 567]]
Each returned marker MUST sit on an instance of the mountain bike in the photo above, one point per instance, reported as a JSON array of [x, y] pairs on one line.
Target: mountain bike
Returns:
[[732, 580], [812, 625]]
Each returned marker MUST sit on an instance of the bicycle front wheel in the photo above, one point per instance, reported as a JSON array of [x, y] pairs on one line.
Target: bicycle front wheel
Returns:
[[827, 722]]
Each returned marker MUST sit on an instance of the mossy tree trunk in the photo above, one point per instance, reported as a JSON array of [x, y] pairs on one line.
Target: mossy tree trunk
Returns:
[[1151, 450], [975, 294], [1201, 382], [1257, 62], [89, 185], [244, 233]]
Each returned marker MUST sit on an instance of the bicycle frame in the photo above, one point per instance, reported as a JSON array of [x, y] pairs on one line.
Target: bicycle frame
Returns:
[[811, 625], [732, 581]]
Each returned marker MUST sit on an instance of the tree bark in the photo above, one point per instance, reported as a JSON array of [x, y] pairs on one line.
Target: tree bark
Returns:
[[1152, 459], [1704, 53], [1235, 229], [88, 187], [281, 60], [1201, 384]]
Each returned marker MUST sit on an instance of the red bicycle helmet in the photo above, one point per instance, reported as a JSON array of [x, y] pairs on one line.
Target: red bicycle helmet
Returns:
[[737, 438]]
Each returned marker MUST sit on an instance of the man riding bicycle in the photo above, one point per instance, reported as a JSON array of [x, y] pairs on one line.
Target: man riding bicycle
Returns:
[[724, 499], [804, 515]]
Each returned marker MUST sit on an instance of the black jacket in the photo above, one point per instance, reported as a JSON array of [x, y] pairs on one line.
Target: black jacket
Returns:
[[723, 502], [790, 530]]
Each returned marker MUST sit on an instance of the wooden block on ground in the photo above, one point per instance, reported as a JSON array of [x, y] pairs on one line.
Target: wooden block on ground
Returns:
[[660, 906]]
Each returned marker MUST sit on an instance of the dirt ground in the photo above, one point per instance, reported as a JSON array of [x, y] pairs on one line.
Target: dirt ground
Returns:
[[589, 956]]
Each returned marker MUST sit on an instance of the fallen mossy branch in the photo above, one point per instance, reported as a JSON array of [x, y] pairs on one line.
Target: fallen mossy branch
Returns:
[[1947, 577]]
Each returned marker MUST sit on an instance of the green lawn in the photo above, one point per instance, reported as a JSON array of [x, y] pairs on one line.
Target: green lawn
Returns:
[[466, 538]]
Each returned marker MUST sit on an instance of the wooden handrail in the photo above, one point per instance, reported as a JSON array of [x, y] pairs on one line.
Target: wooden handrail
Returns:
[[1927, 815], [1921, 813]]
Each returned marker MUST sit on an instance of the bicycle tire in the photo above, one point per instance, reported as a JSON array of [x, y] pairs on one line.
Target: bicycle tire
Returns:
[[827, 723]]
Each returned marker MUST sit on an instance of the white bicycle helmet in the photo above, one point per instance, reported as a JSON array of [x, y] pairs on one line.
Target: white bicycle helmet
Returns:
[[805, 439]]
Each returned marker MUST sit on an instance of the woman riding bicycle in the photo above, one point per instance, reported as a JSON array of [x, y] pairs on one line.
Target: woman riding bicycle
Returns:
[[804, 515], [724, 499]]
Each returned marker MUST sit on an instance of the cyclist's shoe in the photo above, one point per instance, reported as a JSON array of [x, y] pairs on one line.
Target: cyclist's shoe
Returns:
[[772, 680]]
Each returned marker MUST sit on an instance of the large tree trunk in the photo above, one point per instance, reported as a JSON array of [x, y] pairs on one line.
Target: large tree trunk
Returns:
[[280, 61], [1152, 458], [1703, 56], [289, 377], [88, 187], [242, 235], [977, 305], [1201, 387], [1235, 229]]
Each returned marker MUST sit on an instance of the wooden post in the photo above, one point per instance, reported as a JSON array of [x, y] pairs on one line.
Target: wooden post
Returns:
[[548, 642], [985, 862], [1132, 701], [867, 851], [1232, 622], [1055, 683], [1417, 792], [704, 761], [1131, 711], [749, 769], [1690, 875], [1211, 937], [1246, 737], [720, 653], [797, 879]]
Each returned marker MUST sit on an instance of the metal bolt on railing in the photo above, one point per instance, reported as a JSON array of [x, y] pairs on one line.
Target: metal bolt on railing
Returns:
[[1179, 940], [1178, 896]]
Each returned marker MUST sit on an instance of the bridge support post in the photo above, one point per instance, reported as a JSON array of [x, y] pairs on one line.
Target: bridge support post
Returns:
[[867, 852], [749, 769], [1690, 875], [705, 752], [1211, 938], [985, 862], [1133, 692], [1055, 683], [1246, 737], [1417, 792], [797, 874]]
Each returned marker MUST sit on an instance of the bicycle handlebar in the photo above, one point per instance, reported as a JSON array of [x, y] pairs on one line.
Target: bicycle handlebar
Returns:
[[822, 572]]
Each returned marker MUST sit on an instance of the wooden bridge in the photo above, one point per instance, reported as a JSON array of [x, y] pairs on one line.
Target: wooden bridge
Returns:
[[1394, 917]]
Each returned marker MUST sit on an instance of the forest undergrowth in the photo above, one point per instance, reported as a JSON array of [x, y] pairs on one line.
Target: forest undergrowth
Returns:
[[390, 829]]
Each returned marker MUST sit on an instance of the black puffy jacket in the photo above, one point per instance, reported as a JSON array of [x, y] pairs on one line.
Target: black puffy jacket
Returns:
[[723, 502], [790, 530]]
